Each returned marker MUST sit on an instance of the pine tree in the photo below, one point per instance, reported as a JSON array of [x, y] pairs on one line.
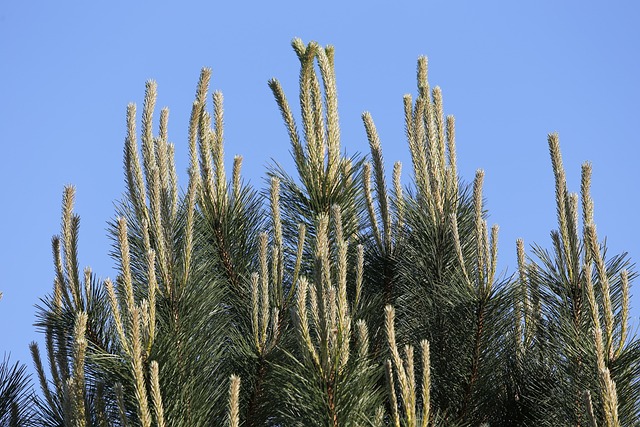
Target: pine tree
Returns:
[[330, 299], [15, 394]]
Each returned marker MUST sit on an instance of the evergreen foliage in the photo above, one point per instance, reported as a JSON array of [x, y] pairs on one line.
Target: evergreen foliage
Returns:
[[331, 299], [15, 395]]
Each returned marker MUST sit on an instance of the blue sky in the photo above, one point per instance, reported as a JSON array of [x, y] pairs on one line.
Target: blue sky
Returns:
[[511, 72]]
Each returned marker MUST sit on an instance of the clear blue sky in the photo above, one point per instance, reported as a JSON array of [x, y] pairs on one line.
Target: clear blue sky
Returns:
[[511, 72]]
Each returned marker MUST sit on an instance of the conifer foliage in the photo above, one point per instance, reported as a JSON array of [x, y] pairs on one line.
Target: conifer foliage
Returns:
[[330, 299]]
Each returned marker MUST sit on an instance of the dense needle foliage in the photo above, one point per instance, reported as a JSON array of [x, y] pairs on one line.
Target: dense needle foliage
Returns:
[[331, 298]]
